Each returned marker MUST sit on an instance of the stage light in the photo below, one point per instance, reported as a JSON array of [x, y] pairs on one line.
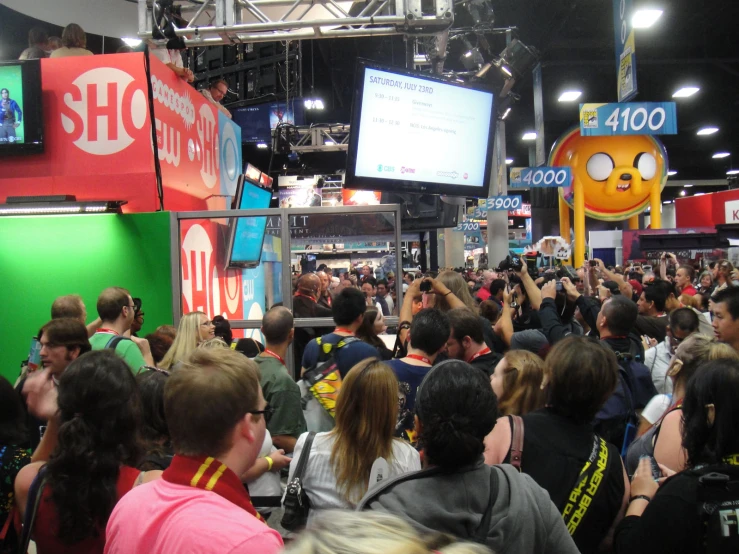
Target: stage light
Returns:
[[643, 19], [570, 96], [685, 92], [518, 58], [313, 104], [721, 155], [705, 131], [57, 205], [671, 173], [508, 161], [472, 59], [529, 136], [132, 42]]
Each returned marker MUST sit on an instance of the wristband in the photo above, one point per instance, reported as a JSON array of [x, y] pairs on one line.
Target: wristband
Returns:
[[447, 294], [270, 462], [640, 497]]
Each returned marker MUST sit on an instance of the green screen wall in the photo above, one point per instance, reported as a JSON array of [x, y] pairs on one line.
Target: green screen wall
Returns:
[[42, 258]]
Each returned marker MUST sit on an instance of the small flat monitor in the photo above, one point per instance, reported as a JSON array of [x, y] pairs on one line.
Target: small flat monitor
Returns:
[[21, 112], [414, 132], [258, 121], [246, 234]]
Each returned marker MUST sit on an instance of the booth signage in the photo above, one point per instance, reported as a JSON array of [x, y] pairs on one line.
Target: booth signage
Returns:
[[537, 177], [523, 211], [468, 227], [625, 50], [499, 203], [636, 118]]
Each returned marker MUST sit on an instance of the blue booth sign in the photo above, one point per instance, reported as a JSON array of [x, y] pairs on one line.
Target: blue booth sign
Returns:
[[635, 118], [537, 177]]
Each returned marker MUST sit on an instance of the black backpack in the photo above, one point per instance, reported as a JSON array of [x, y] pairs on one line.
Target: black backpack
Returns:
[[718, 508], [114, 340], [617, 420]]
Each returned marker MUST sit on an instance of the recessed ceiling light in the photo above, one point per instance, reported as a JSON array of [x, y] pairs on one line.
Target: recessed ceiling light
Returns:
[[520, 226], [529, 136], [719, 155], [699, 194], [687, 186], [667, 202], [672, 172], [733, 172], [682, 193], [707, 131], [570, 96], [685, 92], [643, 19], [262, 145], [132, 42], [508, 161]]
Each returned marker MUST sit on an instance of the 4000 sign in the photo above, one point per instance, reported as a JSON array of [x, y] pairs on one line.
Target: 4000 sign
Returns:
[[540, 177]]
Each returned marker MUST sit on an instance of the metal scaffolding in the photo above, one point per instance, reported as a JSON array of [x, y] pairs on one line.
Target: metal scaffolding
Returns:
[[318, 138], [214, 22]]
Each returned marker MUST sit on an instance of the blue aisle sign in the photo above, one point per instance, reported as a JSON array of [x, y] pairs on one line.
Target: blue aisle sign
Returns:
[[468, 227], [625, 49], [635, 118], [500, 203], [537, 177]]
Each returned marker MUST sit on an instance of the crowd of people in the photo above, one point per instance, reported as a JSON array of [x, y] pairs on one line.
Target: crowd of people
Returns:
[[525, 411]]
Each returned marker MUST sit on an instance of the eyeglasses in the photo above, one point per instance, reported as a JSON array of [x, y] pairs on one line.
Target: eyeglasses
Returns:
[[152, 368], [267, 412]]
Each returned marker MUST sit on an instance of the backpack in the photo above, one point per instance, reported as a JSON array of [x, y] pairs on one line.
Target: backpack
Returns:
[[718, 507], [617, 420], [323, 379], [114, 340]]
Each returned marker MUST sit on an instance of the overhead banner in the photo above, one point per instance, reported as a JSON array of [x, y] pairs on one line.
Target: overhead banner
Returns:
[[636, 118], [537, 177], [625, 50]]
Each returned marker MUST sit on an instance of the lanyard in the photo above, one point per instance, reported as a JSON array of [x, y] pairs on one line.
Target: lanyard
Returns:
[[344, 330], [482, 352], [420, 358], [103, 330], [305, 296], [275, 355]]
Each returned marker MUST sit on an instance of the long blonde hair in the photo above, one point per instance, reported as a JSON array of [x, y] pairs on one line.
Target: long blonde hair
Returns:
[[522, 382], [366, 413], [187, 340], [455, 283]]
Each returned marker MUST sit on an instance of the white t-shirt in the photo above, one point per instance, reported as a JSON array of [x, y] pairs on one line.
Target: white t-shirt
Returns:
[[168, 56], [269, 483], [657, 359], [656, 408], [319, 480]]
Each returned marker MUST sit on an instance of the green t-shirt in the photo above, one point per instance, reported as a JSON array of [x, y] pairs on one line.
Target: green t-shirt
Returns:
[[126, 349], [282, 394]]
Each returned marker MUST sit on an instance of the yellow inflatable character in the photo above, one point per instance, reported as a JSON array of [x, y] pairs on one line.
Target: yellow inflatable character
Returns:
[[613, 178]]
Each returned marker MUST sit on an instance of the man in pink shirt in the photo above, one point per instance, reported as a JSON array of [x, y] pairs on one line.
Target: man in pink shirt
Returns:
[[215, 413]]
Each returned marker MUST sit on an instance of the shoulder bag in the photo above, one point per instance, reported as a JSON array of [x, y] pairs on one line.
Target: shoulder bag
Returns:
[[296, 502]]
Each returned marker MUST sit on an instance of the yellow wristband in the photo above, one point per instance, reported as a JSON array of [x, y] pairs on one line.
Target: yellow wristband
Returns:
[[270, 462]]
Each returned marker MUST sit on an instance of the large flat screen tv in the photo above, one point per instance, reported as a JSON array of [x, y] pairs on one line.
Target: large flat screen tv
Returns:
[[246, 234], [414, 132], [21, 114]]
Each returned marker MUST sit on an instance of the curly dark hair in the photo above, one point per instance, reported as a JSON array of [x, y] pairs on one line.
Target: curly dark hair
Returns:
[[154, 430], [100, 413], [457, 409], [716, 383]]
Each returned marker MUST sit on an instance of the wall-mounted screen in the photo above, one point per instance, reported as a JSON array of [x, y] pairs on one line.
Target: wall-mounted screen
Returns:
[[415, 132], [258, 121], [246, 234], [21, 113]]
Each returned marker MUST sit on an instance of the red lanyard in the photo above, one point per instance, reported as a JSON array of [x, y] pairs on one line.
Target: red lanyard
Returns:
[[420, 358], [343, 330], [305, 296], [328, 299], [275, 355], [103, 330], [482, 352]]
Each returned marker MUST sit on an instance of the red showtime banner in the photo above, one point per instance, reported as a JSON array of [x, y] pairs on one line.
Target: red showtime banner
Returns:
[[206, 285], [97, 134]]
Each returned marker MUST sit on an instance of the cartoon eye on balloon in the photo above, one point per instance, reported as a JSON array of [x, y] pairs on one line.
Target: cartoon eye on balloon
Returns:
[[647, 165], [600, 166]]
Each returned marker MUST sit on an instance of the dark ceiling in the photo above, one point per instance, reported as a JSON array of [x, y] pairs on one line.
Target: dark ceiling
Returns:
[[694, 43]]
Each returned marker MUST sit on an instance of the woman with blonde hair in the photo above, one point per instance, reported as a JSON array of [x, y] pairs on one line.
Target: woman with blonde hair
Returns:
[[74, 43], [194, 328], [337, 474], [663, 440], [518, 383], [342, 532], [455, 283]]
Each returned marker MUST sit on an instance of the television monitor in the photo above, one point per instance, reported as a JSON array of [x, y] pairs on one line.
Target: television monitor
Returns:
[[258, 121], [21, 113], [414, 132], [246, 234], [423, 212]]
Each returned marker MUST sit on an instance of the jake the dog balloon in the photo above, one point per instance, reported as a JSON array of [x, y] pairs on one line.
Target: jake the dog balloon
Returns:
[[614, 178]]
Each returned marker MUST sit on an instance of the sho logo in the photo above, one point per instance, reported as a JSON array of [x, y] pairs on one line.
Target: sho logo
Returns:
[[208, 138], [103, 111]]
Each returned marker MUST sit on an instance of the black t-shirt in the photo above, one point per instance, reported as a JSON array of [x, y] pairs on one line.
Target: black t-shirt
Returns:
[[486, 362], [653, 327], [555, 450]]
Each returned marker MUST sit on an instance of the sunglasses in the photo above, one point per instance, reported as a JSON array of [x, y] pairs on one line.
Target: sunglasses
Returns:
[[151, 368]]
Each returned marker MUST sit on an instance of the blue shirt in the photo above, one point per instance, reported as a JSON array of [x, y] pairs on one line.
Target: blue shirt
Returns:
[[409, 379], [346, 357], [8, 109]]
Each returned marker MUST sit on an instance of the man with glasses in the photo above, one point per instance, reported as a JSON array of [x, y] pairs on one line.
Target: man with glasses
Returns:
[[216, 92], [683, 322], [117, 312], [215, 413]]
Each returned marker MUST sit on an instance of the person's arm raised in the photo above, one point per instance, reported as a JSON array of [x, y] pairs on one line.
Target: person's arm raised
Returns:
[[532, 290], [504, 327], [406, 310]]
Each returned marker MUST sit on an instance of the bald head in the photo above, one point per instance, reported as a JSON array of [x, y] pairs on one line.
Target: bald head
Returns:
[[309, 284], [277, 325]]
